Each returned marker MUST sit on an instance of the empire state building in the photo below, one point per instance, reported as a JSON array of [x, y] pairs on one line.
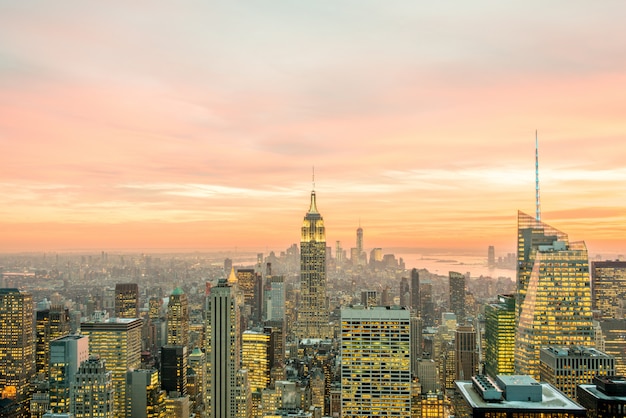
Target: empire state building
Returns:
[[313, 309]]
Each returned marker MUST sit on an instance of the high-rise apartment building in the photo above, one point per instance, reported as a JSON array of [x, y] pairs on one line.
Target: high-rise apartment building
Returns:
[[457, 295], [222, 348], [17, 357], [554, 293], [66, 355], [92, 391], [127, 300], [608, 288], [178, 318], [117, 341], [500, 336], [375, 362], [313, 312]]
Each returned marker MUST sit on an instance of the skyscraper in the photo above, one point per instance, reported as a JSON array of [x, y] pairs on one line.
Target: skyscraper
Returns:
[[608, 288], [92, 391], [66, 355], [16, 343], [222, 348], [405, 293], [50, 324], [554, 289], [313, 311], [500, 336], [274, 299], [144, 393], [457, 295], [375, 362], [117, 341], [256, 358], [178, 319], [466, 353], [127, 300], [415, 292], [174, 360]]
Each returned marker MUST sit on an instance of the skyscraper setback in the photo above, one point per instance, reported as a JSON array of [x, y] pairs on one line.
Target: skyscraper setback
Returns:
[[313, 310]]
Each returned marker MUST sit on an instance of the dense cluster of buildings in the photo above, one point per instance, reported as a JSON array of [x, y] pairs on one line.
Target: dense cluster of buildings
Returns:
[[253, 343]]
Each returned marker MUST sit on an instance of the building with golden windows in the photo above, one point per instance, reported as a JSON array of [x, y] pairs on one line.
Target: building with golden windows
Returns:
[[608, 288], [16, 344], [178, 318], [556, 299], [500, 336], [375, 362], [313, 313]]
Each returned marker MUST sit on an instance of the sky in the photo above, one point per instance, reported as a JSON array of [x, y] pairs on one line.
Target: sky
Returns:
[[197, 124]]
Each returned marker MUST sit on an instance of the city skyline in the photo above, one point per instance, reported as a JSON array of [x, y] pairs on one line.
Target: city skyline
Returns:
[[197, 127]]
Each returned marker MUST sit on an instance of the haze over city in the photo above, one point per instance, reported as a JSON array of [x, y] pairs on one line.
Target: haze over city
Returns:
[[196, 126]]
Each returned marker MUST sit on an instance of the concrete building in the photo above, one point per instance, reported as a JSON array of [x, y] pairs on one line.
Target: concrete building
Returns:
[[66, 355], [605, 397], [92, 391], [608, 288], [144, 394], [127, 300]]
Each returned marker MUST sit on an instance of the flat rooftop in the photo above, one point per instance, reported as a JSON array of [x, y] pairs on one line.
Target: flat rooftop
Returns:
[[553, 400]]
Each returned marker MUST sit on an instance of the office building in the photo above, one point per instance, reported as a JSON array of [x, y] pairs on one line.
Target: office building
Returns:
[[375, 362], [66, 355], [196, 380], [457, 295], [92, 391], [405, 292], [605, 397], [117, 341], [608, 288], [223, 347], [145, 397], [466, 352], [427, 375], [174, 369], [248, 281], [50, 324], [313, 311], [511, 396], [17, 357], [274, 297], [556, 302], [256, 358], [567, 367], [415, 292], [613, 342], [126, 300], [178, 319], [177, 407], [500, 336], [369, 298], [426, 303], [416, 342]]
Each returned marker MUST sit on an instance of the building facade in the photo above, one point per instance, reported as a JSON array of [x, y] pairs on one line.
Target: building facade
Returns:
[[92, 391], [500, 336], [127, 300], [608, 288], [457, 295], [375, 362]]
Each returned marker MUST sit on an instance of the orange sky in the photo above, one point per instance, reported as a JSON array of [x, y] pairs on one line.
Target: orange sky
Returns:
[[150, 126]]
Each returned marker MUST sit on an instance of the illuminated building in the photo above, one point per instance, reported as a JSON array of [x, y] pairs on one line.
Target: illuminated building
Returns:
[[369, 298], [117, 341], [92, 391], [432, 405], [466, 352], [567, 367], [313, 311], [275, 299], [427, 375], [242, 395], [178, 319], [317, 383], [415, 292], [174, 369], [249, 281], [145, 397], [127, 300], [49, 324], [608, 288], [556, 302], [605, 397], [255, 357], [222, 347], [457, 295], [16, 344], [66, 355], [177, 407], [197, 393], [614, 342], [500, 336], [511, 396], [375, 362]]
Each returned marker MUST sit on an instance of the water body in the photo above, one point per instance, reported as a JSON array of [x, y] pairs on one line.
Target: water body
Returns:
[[442, 264]]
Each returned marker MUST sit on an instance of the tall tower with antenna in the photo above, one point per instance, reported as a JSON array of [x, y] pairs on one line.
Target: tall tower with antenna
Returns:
[[537, 201]]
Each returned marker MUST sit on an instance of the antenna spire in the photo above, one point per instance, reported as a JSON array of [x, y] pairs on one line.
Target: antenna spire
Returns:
[[537, 201], [313, 179]]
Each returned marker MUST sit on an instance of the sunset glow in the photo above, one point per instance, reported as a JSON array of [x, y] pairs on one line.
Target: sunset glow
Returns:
[[163, 126]]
